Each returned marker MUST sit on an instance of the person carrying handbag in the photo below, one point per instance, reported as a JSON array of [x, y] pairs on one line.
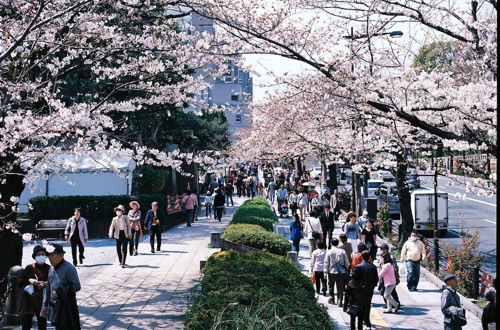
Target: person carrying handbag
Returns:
[[355, 292], [336, 266]]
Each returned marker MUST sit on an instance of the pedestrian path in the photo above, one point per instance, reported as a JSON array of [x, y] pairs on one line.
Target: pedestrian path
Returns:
[[155, 289], [420, 310]]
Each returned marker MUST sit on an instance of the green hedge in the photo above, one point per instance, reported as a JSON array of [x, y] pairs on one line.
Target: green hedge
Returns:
[[93, 207], [255, 208], [257, 237], [255, 291], [265, 223]]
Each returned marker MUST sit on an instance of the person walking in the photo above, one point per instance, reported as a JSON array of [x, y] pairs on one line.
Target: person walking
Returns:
[[370, 277], [351, 229], [218, 204], [488, 318], [59, 304], [282, 195], [209, 200], [314, 233], [387, 273], [152, 222], [369, 238], [316, 206], [346, 246], [327, 220], [293, 201], [134, 216], [454, 314], [355, 293], [384, 248], [229, 189], [271, 191], [318, 267], [335, 203], [336, 266], [33, 280], [413, 252], [189, 201], [325, 189], [302, 202], [296, 232], [358, 257], [239, 185], [77, 235], [120, 230], [363, 219]]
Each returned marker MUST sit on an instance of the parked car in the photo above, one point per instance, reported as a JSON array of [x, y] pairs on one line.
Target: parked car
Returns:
[[384, 175], [387, 193], [413, 182], [316, 172], [373, 186]]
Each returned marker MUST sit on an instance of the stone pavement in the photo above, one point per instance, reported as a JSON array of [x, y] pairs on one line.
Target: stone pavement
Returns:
[[420, 310], [154, 290]]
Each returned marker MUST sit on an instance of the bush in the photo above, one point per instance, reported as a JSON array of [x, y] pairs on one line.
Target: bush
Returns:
[[93, 207], [257, 237], [255, 291], [255, 210], [265, 223]]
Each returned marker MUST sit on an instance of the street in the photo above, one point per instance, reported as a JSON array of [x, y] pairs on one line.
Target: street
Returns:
[[476, 213]]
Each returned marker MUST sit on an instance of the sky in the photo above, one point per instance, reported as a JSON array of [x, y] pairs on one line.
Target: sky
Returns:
[[263, 65]]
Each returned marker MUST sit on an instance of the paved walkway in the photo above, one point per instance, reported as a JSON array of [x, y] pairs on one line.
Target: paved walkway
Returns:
[[154, 290], [420, 310]]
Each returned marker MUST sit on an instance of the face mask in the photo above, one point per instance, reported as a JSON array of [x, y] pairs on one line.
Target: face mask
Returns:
[[413, 238], [40, 259], [119, 213]]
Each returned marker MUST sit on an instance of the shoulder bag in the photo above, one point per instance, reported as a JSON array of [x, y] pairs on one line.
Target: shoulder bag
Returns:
[[315, 234], [352, 310], [458, 317]]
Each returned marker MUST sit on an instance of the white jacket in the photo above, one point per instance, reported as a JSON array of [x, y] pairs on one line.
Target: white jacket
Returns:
[[312, 224]]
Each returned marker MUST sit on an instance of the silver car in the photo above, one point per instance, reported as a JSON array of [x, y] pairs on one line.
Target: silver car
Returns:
[[387, 193]]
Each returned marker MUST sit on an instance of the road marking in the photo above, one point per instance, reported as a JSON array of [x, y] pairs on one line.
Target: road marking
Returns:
[[472, 199], [378, 320], [488, 220]]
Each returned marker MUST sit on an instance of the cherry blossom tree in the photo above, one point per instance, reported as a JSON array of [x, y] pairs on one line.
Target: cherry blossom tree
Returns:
[[68, 67]]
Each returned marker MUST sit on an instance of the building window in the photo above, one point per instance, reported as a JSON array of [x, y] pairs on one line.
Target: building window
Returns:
[[228, 79], [235, 97], [238, 118]]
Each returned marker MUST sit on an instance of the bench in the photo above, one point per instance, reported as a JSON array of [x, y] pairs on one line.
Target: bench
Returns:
[[52, 225]]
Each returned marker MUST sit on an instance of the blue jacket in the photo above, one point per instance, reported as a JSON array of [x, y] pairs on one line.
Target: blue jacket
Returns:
[[295, 231], [148, 220]]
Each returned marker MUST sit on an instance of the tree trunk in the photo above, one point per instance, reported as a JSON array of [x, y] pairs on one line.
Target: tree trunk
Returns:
[[357, 183], [404, 199], [332, 183], [354, 195], [13, 187]]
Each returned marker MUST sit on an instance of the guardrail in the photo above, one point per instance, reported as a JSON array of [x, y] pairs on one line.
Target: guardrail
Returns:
[[482, 280]]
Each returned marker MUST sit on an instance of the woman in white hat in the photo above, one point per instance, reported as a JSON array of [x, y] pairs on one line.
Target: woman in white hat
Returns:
[[120, 230], [134, 216]]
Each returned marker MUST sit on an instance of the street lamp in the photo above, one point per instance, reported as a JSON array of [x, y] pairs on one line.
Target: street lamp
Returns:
[[392, 34]]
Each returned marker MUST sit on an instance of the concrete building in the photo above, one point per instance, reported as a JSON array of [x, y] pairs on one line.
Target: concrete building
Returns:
[[234, 90]]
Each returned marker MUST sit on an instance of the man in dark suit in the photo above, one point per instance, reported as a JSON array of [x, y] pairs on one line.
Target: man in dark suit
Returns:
[[370, 277], [327, 220], [153, 222]]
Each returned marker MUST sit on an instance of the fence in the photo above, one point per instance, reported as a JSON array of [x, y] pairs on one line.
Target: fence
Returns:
[[482, 280]]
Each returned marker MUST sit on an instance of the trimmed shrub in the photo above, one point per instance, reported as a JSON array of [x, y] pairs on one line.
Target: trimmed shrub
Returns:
[[265, 223], [93, 207], [255, 290], [255, 210], [257, 237]]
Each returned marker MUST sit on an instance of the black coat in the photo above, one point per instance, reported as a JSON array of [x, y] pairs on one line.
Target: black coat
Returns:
[[327, 223], [219, 200], [370, 274]]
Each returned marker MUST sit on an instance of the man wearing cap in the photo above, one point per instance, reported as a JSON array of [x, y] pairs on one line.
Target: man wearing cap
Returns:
[[413, 252], [59, 298], [450, 304], [120, 230], [153, 221]]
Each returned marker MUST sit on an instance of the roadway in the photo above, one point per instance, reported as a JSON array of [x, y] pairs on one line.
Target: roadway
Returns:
[[476, 213]]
